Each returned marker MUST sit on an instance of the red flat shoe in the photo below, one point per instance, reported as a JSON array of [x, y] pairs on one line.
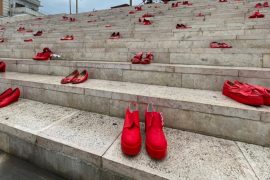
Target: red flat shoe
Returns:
[[39, 33], [82, 77], [219, 45], [182, 26], [43, 56], [131, 140], [137, 58], [148, 58], [242, 94], [2, 66], [147, 15], [13, 97], [5, 94], [70, 77], [28, 40], [155, 139], [264, 91], [67, 38]]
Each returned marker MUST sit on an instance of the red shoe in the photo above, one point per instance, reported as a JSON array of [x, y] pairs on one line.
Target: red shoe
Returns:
[[131, 140], [108, 25], [72, 19], [39, 33], [155, 139], [200, 15], [182, 26], [174, 5], [188, 3], [148, 58], [256, 14], [147, 15], [219, 45], [138, 8], [45, 55], [21, 29], [137, 58], [259, 5], [2, 40], [82, 77], [2, 66], [242, 94], [115, 35], [5, 94], [28, 40], [67, 38], [223, 1], [65, 18], [70, 77], [131, 12], [146, 22], [265, 4], [13, 97], [264, 91]]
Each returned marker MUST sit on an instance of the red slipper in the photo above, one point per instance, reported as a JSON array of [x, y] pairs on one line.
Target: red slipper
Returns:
[[148, 58], [131, 140], [155, 139], [137, 58], [82, 77], [13, 97], [243, 95], [70, 77]]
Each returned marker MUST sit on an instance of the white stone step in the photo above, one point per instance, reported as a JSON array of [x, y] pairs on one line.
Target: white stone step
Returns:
[[78, 145], [183, 108]]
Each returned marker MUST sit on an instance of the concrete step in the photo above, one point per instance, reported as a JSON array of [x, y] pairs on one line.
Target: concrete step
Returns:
[[78, 145], [183, 108], [186, 76]]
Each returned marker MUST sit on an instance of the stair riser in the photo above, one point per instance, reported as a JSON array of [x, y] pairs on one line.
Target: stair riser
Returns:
[[236, 124]]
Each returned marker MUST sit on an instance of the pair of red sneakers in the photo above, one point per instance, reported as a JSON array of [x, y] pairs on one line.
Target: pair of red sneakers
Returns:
[[245, 93], [155, 139], [2, 66], [138, 58], [75, 77], [9, 96], [43, 56]]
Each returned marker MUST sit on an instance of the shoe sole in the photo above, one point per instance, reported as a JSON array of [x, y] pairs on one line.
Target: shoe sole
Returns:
[[253, 101], [130, 150], [158, 154]]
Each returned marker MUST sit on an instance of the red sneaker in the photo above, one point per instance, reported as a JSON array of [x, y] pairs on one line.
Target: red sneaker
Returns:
[[5, 94], [148, 58], [45, 55], [155, 139], [28, 40], [137, 58], [242, 94], [182, 26], [13, 97], [264, 91], [70, 77], [67, 38], [82, 77], [2, 66], [39, 33], [131, 140], [219, 45]]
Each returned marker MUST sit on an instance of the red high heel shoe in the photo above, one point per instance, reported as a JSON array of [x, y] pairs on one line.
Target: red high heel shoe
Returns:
[[137, 58], [6, 94], [155, 139], [70, 77], [43, 56], [82, 77], [13, 97], [131, 140], [148, 58], [2, 66]]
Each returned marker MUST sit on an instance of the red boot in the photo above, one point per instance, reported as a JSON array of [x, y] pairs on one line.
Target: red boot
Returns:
[[5, 94], [13, 97], [131, 140], [2, 66], [155, 140], [82, 77]]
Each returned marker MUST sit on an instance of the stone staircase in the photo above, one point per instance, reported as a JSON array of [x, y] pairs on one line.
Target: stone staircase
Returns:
[[74, 130]]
